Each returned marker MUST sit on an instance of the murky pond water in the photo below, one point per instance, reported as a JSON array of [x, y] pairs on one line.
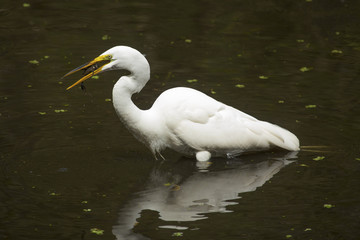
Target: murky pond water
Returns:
[[70, 170]]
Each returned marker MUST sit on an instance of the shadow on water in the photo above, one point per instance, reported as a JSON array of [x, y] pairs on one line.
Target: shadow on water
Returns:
[[179, 197]]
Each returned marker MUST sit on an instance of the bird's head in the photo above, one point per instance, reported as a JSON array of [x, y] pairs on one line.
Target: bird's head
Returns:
[[116, 58]]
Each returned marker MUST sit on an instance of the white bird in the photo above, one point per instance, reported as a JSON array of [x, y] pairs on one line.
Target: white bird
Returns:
[[183, 119]]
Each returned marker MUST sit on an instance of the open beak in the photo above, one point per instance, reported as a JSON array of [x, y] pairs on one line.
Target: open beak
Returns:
[[90, 69]]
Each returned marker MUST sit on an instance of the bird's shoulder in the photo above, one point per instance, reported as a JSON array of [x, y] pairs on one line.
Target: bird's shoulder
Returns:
[[181, 94], [188, 103]]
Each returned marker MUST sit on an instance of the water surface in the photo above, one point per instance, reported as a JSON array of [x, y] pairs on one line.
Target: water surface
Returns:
[[67, 165]]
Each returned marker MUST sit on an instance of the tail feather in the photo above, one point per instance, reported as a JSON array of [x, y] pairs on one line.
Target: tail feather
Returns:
[[281, 137], [318, 149]]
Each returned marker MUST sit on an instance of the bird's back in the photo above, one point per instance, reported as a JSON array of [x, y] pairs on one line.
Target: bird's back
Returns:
[[197, 122]]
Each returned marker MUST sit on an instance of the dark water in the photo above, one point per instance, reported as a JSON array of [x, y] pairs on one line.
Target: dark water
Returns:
[[67, 165]]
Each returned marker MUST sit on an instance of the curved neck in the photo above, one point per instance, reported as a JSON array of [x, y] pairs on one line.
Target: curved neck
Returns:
[[141, 123], [125, 108]]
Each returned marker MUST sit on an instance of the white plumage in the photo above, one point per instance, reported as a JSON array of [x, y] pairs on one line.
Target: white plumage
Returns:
[[184, 119]]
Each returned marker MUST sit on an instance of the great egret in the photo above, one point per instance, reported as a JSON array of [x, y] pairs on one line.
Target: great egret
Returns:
[[183, 119]]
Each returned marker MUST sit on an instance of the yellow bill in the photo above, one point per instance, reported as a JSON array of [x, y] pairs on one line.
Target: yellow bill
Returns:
[[88, 65]]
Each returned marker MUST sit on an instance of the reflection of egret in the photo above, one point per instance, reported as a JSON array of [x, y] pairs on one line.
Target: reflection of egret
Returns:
[[199, 193], [183, 119]]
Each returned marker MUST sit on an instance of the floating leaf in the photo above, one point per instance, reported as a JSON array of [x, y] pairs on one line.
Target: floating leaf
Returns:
[[318, 158], [192, 80], [327, 205], [46, 57], [177, 234], [105, 37], [108, 100], [60, 110], [303, 165], [95, 77], [288, 236], [310, 106], [176, 188], [281, 101], [212, 91], [87, 210], [239, 55], [305, 69], [42, 113], [337, 33], [263, 77], [358, 159], [300, 40], [239, 85], [84, 202], [335, 51], [167, 184], [97, 231], [188, 40], [307, 229], [26, 5], [36, 62]]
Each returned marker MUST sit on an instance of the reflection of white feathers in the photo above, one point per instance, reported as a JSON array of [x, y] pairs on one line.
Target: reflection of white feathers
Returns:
[[203, 192]]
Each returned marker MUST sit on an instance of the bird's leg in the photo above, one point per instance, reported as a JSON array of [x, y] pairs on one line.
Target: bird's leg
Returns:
[[156, 154], [234, 154], [161, 156]]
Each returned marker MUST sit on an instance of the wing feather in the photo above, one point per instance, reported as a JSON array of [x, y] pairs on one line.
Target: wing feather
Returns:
[[203, 123]]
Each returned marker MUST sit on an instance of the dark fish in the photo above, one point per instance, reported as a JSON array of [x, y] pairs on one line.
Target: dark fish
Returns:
[[90, 69], [87, 71], [83, 87]]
